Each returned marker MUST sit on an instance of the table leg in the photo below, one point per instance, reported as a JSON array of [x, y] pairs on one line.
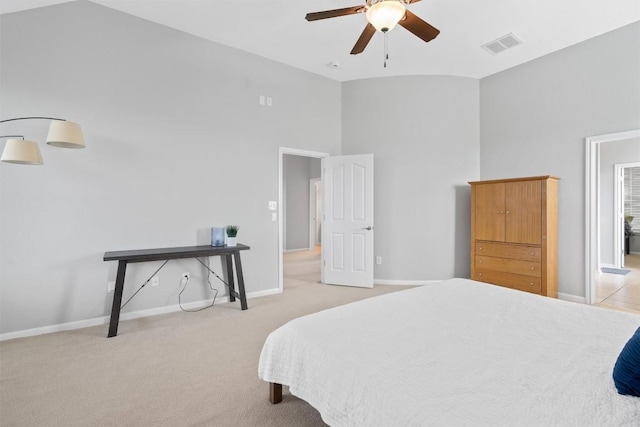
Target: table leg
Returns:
[[243, 295], [230, 282], [117, 299]]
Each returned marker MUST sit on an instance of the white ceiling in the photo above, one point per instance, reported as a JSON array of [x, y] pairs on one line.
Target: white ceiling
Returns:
[[276, 29]]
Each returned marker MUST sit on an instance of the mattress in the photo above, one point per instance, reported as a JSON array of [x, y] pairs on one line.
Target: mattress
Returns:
[[456, 353]]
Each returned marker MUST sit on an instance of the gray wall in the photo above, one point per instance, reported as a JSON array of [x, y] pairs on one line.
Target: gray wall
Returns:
[[298, 171], [176, 143], [424, 134], [534, 119], [611, 154]]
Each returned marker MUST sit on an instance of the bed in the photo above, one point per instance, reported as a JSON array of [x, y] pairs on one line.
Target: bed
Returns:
[[455, 353]]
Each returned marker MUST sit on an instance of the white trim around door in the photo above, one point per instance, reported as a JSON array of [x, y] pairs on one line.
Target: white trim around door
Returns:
[[315, 213]]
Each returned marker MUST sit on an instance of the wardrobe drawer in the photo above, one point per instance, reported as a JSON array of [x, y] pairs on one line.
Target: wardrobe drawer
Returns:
[[507, 265], [509, 280], [506, 250]]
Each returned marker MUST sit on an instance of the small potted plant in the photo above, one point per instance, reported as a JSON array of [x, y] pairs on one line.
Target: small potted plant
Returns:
[[628, 230], [232, 232]]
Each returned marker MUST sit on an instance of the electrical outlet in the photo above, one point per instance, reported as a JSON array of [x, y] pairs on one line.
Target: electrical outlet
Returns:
[[378, 260], [111, 286], [186, 277], [155, 282]]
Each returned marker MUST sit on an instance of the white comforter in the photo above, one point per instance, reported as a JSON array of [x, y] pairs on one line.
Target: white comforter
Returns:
[[456, 353]]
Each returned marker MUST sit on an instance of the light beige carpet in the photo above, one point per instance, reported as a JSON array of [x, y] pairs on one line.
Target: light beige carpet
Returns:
[[178, 369]]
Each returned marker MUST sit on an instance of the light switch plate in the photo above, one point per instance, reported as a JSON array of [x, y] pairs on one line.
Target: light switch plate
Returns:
[[273, 206]]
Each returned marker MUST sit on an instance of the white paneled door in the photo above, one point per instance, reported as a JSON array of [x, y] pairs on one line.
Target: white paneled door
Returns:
[[347, 237]]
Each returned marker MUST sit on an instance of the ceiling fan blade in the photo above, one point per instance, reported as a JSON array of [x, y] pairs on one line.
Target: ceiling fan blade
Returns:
[[363, 41], [314, 16], [419, 27]]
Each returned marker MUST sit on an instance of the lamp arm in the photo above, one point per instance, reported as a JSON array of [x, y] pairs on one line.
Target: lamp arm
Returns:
[[29, 118], [12, 136]]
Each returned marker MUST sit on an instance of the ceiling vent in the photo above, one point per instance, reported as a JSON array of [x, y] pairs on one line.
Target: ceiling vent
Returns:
[[503, 43]]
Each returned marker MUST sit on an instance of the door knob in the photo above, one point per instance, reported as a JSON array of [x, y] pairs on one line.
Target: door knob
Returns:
[[367, 228]]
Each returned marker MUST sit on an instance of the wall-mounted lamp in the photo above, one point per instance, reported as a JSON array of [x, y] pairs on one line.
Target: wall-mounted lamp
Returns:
[[24, 152]]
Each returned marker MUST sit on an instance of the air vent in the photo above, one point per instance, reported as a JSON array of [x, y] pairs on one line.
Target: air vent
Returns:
[[503, 43]]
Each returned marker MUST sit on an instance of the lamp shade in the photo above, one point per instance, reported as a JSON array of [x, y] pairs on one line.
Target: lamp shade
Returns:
[[21, 151], [385, 14], [65, 134]]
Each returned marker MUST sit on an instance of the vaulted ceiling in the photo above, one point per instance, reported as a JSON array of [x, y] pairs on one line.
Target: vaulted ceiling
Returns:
[[276, 29]]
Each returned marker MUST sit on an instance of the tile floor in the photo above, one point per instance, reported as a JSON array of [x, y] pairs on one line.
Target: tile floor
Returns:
[[621, 291]]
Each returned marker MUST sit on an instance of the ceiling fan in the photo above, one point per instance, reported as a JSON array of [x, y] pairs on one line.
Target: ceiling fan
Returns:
[[382, 15]]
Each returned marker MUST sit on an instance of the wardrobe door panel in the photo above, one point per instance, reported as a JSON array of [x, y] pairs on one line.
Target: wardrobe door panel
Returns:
[[489, 210], [524, 212]]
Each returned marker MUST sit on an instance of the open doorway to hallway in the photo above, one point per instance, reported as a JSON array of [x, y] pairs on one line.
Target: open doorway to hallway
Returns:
[[604, 220], [620, 287], [301, 219]]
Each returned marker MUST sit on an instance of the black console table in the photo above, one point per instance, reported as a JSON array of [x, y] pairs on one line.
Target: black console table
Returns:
[[144, 255]]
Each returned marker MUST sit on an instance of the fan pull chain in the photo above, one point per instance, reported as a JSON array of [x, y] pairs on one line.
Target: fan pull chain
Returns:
[[386, 48]]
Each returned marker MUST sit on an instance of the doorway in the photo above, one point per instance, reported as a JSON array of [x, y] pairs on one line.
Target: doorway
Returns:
[[296, 222], [619, 286], [594, 207], [626, 209], [315, 213]]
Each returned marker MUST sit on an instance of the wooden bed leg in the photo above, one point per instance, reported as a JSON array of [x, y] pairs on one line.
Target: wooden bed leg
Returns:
[[275, 393]]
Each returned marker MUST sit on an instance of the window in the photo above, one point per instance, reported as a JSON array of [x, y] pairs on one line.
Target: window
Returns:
[[632, 196]]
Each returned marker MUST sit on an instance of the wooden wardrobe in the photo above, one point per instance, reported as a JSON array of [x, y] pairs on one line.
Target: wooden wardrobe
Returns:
[[514, 233]]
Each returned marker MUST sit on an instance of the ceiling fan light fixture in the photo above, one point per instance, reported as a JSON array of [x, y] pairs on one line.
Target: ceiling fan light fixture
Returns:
[[385, 14]]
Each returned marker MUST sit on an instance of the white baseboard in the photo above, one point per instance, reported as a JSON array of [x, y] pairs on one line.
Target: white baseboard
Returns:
[[572, 298], [266, 293], [404, 282], [126, 316]]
